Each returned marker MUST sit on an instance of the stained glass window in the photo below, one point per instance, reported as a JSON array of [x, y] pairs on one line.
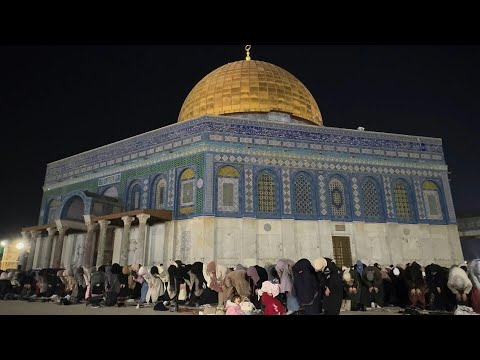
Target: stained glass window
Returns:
[[135, 197], [402, 202], [227, 193], [187, 192], [51, 211], [371, 201], [303, 195], [160, 192], [337, 198], [266, 194], [432, 200]]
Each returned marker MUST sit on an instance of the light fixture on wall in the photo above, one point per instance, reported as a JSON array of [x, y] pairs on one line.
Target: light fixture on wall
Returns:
[[20, 245], [3, 243]]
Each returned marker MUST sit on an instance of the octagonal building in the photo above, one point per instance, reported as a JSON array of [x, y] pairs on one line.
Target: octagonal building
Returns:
[[249, 174]]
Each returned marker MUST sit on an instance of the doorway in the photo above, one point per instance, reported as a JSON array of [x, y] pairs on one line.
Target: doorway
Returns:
[[342, 251]]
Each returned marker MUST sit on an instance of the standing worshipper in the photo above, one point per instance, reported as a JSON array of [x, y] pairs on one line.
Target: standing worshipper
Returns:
[[284, 271], [328, 275], [307, 287]]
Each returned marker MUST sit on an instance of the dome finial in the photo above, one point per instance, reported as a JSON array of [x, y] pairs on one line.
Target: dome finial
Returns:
[[247, 49]]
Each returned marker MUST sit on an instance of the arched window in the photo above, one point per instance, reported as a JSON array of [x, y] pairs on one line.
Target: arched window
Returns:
[[111, 192], [403, 204], [161, 194], [73, 209], [51, 210], [187, 192], [135, 197], [227, 189], [303, 196], [266, 196], [338, 204], [431, 198], [372, 208]]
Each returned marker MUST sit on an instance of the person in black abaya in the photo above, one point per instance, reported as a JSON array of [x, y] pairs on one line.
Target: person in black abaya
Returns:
[[307, 287], [330, 279]]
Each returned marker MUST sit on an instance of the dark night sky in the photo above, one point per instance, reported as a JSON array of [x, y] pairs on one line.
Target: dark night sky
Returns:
[[58, 101]]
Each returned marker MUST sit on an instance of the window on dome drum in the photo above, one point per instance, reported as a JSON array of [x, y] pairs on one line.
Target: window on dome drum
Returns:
[[52, 207], [187, 192], [371, 201], [342, 253], [228, 179], [403, 207], [266, 194], [135, 197], [303, 195], [160, 192], [337, 198], [431, 196]]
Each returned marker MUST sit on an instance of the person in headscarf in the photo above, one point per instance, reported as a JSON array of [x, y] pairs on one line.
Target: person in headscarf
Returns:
[[268, 294], [372, 287], [256, 275], [329, 277], [459, 284], [284, 271], [124, 278], [216, 274], [234, 284], [80, 281], [353, 288], [359, 266], [141, 279], [197, 281], [474, 274], [156, 287], [42, 284], [416, 285], [307, 288], [436, 279]]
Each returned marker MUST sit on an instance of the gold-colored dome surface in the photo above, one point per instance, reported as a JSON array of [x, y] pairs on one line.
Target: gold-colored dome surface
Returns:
[[250, 86]]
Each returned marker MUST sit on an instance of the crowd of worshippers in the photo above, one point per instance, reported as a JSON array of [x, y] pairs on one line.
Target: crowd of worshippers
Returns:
[[286, 287]]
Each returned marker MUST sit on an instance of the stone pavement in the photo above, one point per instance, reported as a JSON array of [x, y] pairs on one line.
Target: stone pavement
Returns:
[[15, 307]]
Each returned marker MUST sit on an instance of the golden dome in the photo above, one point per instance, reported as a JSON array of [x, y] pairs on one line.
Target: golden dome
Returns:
[[250, 87]]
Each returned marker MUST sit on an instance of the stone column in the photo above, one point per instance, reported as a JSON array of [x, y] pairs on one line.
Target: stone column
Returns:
[[140, 258], [22, 261], [101, 242], [57, 252], [88, 247], [33, 245], [47, 251], [127, 224]]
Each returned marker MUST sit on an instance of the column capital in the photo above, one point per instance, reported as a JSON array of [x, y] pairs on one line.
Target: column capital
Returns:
[[127, 220], [143, 218], [104, 224], [62, 230], [26, 235], [91, 225], [51, 231], [34, 234]]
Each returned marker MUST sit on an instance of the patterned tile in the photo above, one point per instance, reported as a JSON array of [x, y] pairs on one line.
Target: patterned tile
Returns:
[[248, 189], [388, 197], [171, 188], [287, 206], [419, 197], [356, 199], [209, 174]]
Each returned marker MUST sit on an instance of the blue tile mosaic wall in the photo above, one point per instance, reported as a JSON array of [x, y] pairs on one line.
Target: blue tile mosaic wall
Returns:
[[255, 148]]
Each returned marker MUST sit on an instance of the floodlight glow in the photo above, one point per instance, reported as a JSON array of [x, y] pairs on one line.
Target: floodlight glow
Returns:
[[20, 245], [3, 243]]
